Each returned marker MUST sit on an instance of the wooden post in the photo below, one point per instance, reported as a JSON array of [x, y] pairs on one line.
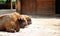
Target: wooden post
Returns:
[[18, 6]]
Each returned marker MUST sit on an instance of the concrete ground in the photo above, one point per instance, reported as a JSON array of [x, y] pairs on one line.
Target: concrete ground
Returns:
[[41, 26]]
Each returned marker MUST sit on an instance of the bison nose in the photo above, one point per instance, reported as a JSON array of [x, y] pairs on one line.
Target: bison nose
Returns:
[[29, 23]]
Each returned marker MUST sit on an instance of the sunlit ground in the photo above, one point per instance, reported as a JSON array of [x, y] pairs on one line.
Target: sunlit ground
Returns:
[[39, 27]]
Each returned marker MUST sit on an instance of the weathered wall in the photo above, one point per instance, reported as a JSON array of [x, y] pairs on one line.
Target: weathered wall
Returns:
[[38, 6]]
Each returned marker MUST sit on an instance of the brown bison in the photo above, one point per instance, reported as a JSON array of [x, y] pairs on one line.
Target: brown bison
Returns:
[[11, 22], [14, 21]]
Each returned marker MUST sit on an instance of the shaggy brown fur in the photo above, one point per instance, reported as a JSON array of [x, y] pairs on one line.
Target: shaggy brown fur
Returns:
[[14, 21], [11, 22]]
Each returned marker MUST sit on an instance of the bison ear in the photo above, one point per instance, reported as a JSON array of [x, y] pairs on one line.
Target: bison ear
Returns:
[[20, 20]]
